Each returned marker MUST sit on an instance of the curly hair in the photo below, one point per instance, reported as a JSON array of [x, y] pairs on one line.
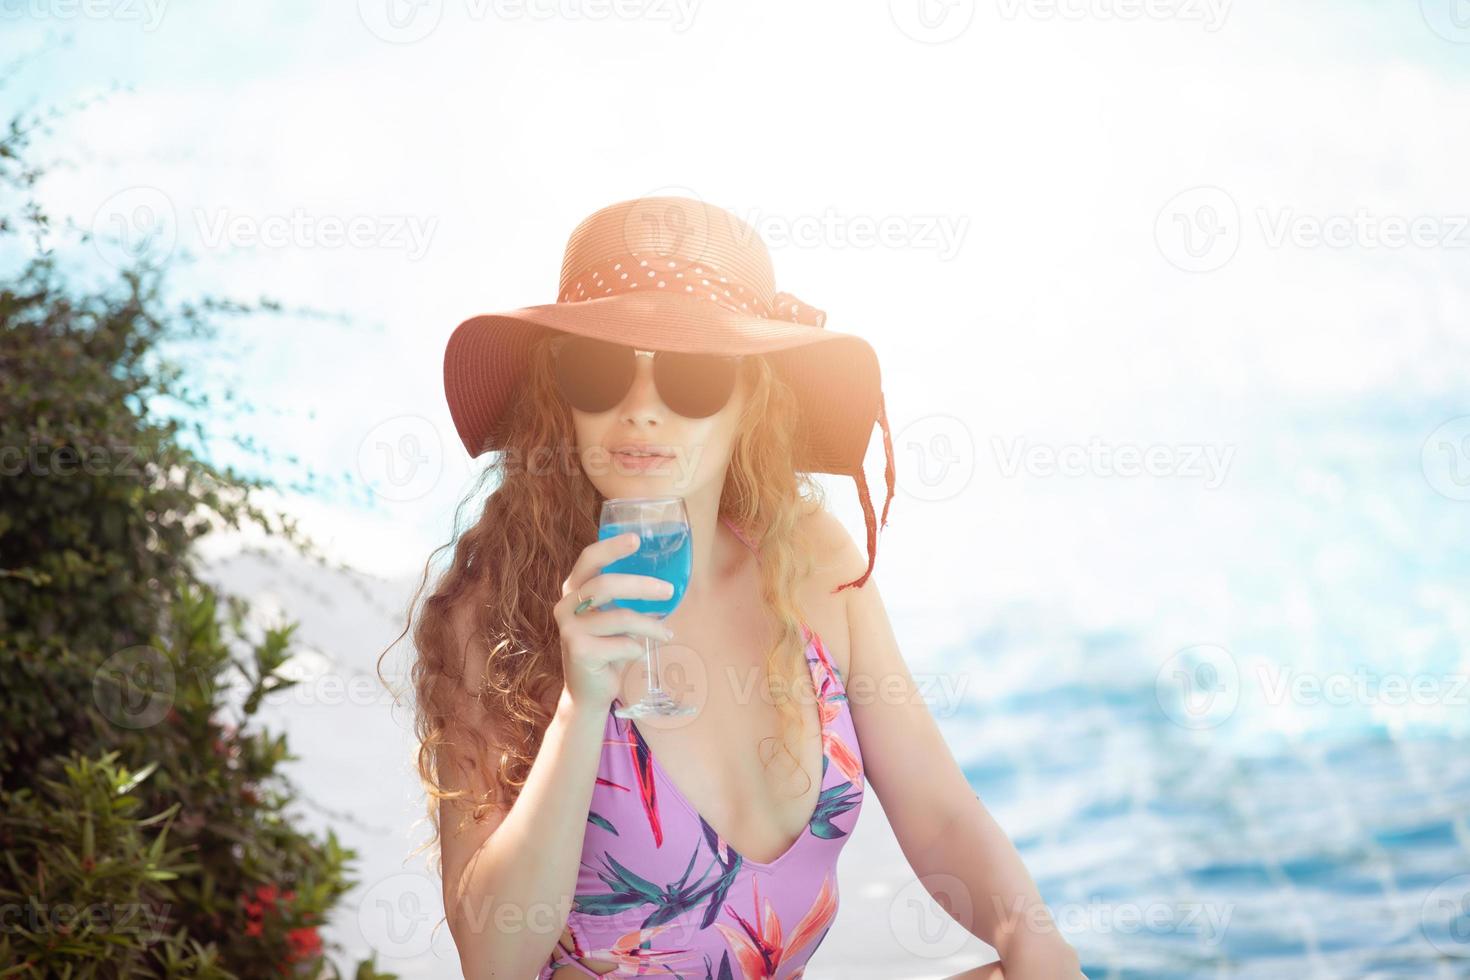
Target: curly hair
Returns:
[[507, 570]]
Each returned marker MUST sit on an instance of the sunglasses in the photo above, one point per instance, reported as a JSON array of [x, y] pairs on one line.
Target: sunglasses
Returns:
[[595, 375]]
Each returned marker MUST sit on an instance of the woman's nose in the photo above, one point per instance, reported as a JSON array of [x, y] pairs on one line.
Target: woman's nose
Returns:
[[642, 401]]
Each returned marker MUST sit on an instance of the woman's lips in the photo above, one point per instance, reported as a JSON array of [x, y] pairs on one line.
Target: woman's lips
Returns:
[[639, 463]]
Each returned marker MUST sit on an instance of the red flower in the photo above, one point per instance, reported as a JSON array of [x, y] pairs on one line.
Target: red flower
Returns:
[[253, 928], [304, 942], [266, 893]]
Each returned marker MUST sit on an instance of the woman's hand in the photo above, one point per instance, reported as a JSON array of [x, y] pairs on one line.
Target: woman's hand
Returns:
[[594, 651]]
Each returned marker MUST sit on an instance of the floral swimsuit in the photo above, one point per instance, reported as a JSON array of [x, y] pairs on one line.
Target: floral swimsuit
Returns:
[[660, 893]]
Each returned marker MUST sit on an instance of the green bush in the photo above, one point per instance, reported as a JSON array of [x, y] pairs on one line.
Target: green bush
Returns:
[[144, 833]]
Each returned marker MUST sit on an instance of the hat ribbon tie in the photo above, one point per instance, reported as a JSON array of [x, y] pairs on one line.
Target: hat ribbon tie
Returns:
[[697, 278]]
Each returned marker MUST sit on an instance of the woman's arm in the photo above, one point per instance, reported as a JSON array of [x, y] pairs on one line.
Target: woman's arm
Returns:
[[508, 880], [954, 846]]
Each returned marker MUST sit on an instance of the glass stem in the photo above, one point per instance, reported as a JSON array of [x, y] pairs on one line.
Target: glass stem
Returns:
[[650, 651]]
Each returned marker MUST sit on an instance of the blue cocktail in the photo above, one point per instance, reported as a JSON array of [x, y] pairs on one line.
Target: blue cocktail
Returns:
[[665, 551]]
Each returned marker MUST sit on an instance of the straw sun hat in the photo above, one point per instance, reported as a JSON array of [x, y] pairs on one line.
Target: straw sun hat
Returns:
[[677, 274]]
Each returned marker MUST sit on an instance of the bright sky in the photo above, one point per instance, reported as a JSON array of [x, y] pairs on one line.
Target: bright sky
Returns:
[[1164, 224]]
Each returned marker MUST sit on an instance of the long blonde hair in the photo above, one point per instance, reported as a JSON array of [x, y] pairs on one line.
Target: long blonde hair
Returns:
[[510, 563]]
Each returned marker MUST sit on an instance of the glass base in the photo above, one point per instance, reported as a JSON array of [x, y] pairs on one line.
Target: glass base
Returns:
[[654, 703]]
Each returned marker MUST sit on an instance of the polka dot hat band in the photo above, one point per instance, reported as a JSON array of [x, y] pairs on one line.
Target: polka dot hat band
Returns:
[[699, 278]]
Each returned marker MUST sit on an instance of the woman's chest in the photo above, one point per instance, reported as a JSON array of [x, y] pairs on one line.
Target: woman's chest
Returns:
[[754, 774]]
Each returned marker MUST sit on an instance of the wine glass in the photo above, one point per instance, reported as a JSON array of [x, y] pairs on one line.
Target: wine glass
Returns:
[[665, 551]]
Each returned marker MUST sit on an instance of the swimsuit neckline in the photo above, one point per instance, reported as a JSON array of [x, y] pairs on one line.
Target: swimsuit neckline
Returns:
[[824, 762]]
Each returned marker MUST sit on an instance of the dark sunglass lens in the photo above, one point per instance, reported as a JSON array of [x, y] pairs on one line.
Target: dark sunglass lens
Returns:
[[594, 375], [694, 385]]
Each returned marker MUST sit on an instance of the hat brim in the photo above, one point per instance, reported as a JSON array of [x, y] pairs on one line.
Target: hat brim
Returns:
[[834, 376]]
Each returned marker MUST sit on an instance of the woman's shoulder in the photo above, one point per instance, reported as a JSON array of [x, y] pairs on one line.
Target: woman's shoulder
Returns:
[[836, 560], [836, 554]]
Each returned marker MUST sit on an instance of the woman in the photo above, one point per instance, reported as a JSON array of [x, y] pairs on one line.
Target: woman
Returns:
[[575, 842]]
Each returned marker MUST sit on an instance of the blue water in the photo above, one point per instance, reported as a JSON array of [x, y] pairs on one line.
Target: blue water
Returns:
[[665, 551], [1161, 856], [1253, 834]]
